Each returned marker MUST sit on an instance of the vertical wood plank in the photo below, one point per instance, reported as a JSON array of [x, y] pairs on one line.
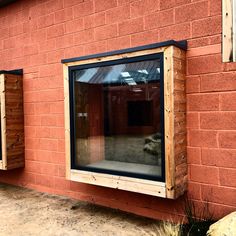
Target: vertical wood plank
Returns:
[[3, 121], [169, 121], [228, 52], [67, 120], [14, 113]]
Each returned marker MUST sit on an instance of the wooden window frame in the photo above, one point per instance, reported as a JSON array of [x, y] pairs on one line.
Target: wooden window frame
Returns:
[[175, 125], [228, 30], [12, 120]]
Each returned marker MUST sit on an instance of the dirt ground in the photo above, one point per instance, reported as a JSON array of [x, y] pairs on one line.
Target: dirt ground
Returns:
[[25, 212]]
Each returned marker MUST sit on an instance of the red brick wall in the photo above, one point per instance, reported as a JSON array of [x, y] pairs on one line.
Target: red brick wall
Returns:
[[36, 34]]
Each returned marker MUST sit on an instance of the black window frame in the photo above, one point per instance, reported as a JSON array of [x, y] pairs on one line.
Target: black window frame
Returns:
[[154, 56]]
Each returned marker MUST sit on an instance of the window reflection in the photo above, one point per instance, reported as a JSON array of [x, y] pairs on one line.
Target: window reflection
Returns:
[[118, 118]]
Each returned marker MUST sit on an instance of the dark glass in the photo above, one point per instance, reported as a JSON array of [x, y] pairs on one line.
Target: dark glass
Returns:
[[118, 119]]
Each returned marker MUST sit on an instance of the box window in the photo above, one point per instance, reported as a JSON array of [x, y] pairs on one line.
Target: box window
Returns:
[[118, 125], [125, 119]]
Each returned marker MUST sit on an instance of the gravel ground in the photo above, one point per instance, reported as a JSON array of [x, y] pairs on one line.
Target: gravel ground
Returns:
[[25, 212]]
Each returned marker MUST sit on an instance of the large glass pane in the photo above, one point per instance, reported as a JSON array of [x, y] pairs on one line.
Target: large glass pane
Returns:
[[118, 119]]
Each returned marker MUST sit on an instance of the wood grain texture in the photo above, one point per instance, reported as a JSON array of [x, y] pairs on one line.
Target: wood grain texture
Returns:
[[12, 121], [228, 34], [180, 142], [67, 120], [119, 182]]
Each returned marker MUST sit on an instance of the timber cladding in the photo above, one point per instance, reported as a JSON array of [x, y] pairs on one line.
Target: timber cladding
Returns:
[[12, 121], [175, 184]]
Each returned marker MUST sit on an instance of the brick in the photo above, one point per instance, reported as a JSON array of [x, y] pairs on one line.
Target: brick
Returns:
[[172, 3], [221, 195], [31, 96], [192, 84], [29, 109], [203, 102], [227, 139], [42, 132], [176, 32], [143, 7], [69, 3], [117, 14], [9, 43], [205, 64], [31, 143], [57, 132], [28, 178], [228, 177], [118, 43], [219, 157], [207, 27], [49, 120], [48, 144], [60, 120], [96, 47], [193, 120], [55, 56], [85, 36], [30, 50], [47, 45], [55, 31], [199, 42], [16, 30], [228, 101], [4, 33], [198, 138], [206, 50], [204, 174], [47, 169], [101, 5], [63, 15], [64, 41], [42, 108], [215, 7], [61, 148], [53, 5], [218, 120], [105, 32], [216, 39], [83, 9], [194, 155], [44, 180], [131, 26], [53, 95], [75, 51], [61, 183], [191, 12], [57, 108], [45, 21], [47, 70], [143, 38], [95, 20], [38, 59], [39, 36], [159, 19], [218, 82], [32, 166], [43, 156], [194, 190], [30, 132], [74, 26]]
